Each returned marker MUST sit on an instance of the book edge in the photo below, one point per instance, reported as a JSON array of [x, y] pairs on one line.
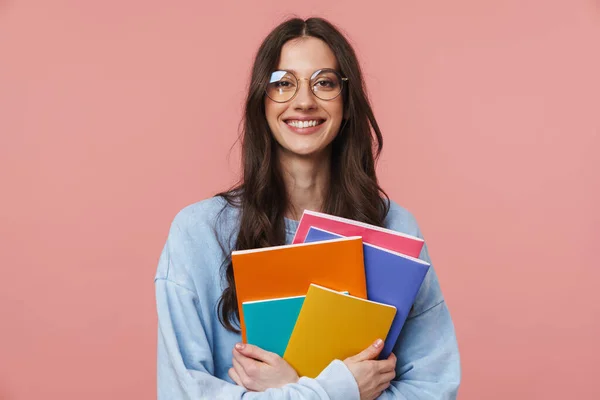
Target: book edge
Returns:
[[354, 297], [361, 224], [418, 260], [273, 299], [286, 246]]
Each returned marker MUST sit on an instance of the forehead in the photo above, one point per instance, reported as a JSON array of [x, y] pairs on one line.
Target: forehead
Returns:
[[306, 55]]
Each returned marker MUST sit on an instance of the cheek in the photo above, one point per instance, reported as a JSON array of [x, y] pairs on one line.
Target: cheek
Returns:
[[336, 113], [272, 113], [339, 117], [337, 110]]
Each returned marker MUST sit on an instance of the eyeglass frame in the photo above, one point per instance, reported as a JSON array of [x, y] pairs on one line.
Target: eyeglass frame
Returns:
[[342, 79]]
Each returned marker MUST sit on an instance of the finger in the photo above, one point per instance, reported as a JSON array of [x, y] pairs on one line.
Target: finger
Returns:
[[252, 368], [251, 351], [389, 364], [388, 376], [246, 363], [383, 386], [370, 353], [239, 369], [235, 377], [386, 382], [245, 381]]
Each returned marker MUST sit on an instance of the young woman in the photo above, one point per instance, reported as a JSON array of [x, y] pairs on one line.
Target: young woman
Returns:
[[310, 141]]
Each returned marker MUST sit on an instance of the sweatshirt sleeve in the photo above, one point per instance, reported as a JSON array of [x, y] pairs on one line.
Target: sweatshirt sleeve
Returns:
[[185, 368], [428, 366]]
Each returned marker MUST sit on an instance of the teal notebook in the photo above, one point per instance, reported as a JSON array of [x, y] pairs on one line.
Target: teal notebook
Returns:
[[270, 323]]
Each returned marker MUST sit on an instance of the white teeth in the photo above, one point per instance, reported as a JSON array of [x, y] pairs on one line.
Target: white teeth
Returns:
[[302, 124]]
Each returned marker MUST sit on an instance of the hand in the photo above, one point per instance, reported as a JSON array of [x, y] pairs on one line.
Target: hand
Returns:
[[258, 370], [373, 376]]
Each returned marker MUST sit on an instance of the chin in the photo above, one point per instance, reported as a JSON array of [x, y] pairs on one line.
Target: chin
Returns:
[[299, 150], [297, 145]]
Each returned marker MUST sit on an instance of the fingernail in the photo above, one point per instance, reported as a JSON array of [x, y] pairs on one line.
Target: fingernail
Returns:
[[378, 343], [239, 346]]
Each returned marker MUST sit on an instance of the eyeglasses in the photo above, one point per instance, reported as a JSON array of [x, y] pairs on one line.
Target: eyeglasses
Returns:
[[326, 84]]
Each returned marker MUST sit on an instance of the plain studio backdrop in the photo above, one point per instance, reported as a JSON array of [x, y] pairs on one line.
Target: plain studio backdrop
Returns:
[[116, 114]]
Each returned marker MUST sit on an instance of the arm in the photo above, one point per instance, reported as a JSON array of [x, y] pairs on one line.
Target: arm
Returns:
[[428, 365], [185, 368], [259, 370]]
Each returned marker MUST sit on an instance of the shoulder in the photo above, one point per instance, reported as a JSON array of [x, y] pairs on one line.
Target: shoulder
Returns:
[[212, 213], [199, 236], [401, 220]]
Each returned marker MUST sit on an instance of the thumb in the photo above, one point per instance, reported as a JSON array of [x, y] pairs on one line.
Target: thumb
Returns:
[[256, 353], [370, 352]]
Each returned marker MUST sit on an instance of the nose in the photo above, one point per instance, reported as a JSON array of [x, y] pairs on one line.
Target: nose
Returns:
[[305, 99]]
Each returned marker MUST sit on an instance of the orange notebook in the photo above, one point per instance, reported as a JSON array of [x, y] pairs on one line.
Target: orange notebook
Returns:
[[288, 270]]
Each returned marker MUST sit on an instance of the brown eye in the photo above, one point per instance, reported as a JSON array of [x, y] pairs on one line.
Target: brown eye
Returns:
[[326, 84]]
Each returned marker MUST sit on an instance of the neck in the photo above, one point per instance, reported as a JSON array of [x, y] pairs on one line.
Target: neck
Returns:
[[306, 182]]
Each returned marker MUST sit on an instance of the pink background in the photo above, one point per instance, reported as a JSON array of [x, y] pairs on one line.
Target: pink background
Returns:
[[115, 114]]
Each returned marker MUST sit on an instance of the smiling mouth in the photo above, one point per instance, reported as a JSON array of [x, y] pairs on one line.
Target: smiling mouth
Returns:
[[303, 124]]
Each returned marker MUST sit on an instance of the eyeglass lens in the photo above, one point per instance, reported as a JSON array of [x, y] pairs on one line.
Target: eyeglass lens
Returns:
[[283, 85]]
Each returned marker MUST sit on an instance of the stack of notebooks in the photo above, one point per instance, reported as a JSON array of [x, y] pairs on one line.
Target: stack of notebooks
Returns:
[[340, 285]]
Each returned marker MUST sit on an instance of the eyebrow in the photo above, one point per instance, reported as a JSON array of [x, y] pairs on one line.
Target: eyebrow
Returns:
[[296, 72]]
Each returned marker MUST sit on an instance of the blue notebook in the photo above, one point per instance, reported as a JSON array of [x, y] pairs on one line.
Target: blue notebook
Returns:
[[270, 323], [392, 278]]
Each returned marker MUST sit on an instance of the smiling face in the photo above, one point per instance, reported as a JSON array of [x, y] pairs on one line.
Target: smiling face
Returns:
[[306, 125]]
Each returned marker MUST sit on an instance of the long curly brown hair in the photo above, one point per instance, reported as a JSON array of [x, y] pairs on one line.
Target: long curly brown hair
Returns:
[[261, 196]]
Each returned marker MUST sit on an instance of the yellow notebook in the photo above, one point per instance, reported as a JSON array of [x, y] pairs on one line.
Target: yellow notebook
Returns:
[[332, 325]]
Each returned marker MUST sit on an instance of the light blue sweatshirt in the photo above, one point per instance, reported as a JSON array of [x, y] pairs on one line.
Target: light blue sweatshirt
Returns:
[[195, 350]]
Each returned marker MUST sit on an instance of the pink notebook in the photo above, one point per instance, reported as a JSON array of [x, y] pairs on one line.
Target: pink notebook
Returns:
[[371, 234]]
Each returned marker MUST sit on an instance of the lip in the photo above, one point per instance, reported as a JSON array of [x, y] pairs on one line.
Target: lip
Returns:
[[304, 131], [303, 118]]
